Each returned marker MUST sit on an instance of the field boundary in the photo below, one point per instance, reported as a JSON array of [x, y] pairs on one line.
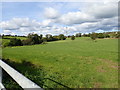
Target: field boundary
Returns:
[[18, 77]]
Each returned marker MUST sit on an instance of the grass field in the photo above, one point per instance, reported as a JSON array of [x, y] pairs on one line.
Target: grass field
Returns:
[[7, 40], [22, 38], [81, 63]]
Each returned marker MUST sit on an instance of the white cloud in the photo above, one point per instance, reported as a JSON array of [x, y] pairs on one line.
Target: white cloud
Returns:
[[102, 10], [46, 22], [8, 25], [98, 17], [104, 25], [6, 31], [75, 18], [17, 23], [51, 13]]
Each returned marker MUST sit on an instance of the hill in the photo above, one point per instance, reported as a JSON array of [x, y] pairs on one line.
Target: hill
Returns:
[[79, 63]]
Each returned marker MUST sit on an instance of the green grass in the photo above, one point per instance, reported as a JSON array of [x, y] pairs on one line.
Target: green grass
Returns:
[[7, 40], [81, 63], [22, 38]]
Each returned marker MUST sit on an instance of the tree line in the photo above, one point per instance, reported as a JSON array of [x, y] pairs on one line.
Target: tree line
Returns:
[[33, 39]]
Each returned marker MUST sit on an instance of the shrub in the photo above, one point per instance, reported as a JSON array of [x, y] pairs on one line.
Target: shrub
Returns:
[[118, 35], [100, 35], [73, 37], [106, 35], [27, 42], [93, 36], [15, 42]]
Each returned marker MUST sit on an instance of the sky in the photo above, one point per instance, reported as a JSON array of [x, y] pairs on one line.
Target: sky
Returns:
[[21, 18]]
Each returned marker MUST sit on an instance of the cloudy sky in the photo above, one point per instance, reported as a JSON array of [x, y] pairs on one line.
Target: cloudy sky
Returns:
[[21, 18]]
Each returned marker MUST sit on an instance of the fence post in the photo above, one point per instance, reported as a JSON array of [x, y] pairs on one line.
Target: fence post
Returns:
[[0, 75]]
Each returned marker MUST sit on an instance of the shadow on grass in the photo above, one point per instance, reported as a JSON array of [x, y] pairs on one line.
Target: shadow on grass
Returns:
[[36, 74]]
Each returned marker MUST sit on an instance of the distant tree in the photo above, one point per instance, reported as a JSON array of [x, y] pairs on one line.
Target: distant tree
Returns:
[[73, 37], [35, 38], [86, 35], [41, 36], [89, 35], [78, 35], [118, 35], [30, 35], [3, 36], [62, 37], [49, 37], [106, 35], [113, 34], [100, 35], [93, 36], [69, 36], [28, 41], [15, 35]]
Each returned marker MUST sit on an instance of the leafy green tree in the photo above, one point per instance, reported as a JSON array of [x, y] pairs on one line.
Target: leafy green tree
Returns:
[[106, 35], [30, 35], [3, 36], [93, 36], [78, 35], [86, 35], [113, 35], [49, 37], [41, 36], [27, 41], [34, 38], [73, 37], [62, 37], [100, 35], [118, 35]]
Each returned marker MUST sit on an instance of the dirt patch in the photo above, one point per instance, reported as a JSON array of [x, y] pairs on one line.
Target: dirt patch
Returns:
[[97, 85], [110, 63], [116, 67], [100, 69]]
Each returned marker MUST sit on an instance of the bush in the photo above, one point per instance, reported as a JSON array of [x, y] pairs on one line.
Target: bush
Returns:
[[73, 37], [15, 42], [106, 35], [27, 42], [118, 35], [100, 35], [93, 36]]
